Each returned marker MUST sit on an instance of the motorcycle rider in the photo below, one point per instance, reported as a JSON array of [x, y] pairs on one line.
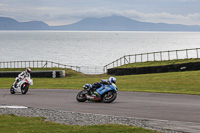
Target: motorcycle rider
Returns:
[[95, 86], [22, 75]]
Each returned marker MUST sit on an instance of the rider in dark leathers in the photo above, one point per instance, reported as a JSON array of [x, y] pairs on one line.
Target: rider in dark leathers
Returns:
[[103, 81]]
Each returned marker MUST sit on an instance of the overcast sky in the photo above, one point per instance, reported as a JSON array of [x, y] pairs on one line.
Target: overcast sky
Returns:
[[61, 12]]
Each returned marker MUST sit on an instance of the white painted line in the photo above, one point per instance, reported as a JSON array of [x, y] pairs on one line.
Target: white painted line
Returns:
[[13, 107]]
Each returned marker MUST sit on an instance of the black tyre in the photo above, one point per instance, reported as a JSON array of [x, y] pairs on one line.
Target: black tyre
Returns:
[[80, 97], [24, 88], [12, 91], [109, 97]]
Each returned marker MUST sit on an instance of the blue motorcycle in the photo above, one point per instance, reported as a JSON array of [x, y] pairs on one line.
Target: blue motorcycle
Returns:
[[106, 93]]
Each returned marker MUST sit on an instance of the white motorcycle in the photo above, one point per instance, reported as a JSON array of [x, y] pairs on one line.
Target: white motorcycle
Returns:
[[22, 86]]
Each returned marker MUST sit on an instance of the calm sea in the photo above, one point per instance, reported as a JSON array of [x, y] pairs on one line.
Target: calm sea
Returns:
[[91, 49]]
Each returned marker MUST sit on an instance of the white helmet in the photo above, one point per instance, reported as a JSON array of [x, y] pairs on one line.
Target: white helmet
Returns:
[[112, 80]]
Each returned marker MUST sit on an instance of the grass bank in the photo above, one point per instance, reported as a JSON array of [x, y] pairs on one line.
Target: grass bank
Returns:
[[187, 82], [17, 124]]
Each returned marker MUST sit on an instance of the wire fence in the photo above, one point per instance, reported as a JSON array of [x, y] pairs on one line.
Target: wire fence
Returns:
[[50, 64], [154, 56], [36, 64], [126, 59]]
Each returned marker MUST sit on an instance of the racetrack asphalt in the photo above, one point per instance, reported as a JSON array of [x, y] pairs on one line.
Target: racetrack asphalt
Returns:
[[159, 106]]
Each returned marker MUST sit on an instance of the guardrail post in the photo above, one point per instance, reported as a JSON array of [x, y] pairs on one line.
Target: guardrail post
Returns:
[[160, 55], [135, 58], [186, 53], [176, 54], [168, 55]]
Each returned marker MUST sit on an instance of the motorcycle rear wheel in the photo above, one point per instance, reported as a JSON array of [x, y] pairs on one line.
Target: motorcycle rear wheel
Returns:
[[24, 88], [80, 97], [109, 97]]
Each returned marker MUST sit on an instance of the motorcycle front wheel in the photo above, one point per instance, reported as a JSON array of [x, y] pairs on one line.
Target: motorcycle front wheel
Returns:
[[109, 97], [12, 90], [80, 97], [24, 88]]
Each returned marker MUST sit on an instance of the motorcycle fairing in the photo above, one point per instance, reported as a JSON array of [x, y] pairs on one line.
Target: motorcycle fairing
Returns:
[[106, 88]]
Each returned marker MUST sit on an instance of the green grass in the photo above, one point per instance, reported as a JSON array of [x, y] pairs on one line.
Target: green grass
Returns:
[[17, 124], [187, 82], [158, 63]]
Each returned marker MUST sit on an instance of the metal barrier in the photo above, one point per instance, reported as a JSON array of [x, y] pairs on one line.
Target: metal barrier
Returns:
[[50, 64], [92, 69], [155, 56], [36, 64]]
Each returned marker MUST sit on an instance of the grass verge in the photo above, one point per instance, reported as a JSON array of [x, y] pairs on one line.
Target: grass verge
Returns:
[[17, 124], [187, 82]]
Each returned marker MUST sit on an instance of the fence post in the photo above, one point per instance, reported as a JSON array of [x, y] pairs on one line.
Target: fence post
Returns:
[[154, 56], [141, 57], [135, 58], [186, 53], [176, 54], [160, 55], [197, 53], [168, 55]]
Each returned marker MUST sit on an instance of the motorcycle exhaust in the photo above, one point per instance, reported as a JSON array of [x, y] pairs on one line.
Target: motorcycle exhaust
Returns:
[[92, 98]]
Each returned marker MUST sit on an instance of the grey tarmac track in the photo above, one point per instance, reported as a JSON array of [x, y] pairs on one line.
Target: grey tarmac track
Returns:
[[170, 111]]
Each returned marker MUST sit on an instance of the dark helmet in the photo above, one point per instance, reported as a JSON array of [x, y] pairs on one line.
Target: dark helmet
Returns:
[[28, 70]]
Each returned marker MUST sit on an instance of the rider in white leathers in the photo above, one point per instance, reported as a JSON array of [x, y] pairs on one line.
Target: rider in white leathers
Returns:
[[22, 75]]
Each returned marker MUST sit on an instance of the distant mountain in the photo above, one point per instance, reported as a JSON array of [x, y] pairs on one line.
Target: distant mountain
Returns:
[[120, 23], [113, 23], [11, 24]]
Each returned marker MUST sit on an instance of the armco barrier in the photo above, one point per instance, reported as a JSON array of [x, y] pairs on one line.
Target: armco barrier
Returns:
[[36, 74], [155, 69]]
